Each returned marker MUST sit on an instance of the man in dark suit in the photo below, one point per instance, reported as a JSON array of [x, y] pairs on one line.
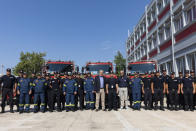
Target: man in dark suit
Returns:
[[100, 86]]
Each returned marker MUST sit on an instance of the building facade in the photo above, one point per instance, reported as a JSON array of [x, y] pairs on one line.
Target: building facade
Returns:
[[166, 33]]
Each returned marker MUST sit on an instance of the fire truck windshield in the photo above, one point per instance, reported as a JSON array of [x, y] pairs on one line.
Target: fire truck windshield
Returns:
[[96, 68], [60, 68], [142, 68]]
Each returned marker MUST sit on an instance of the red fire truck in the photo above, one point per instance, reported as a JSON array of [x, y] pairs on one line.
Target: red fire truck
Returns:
[[59, 66], [94, 67], [141, 67]]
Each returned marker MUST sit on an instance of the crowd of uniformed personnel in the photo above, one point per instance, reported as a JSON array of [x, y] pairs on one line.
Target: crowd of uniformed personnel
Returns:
[[72, 92]]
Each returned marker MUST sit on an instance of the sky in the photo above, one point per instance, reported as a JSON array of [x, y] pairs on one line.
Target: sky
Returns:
[[78, 30]]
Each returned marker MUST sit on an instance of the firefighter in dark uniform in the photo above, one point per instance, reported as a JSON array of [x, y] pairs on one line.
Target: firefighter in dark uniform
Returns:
[[70, 90], [157, 87], [146, 90], [173, 90], [55, 85], [80, 94], [112, 91], [136, 84], [39, 93], [152, 77], [8, 88], [130, 93], [194, 79], [32, 79], [18, 96], [181, 97], [188, 90], [47, 88], [89, 91], [24, 90], [165, 78]]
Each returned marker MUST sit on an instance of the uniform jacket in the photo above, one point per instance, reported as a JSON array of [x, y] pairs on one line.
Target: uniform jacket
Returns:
[[70, 86], [24, 85], [38, 86], [89, 84]]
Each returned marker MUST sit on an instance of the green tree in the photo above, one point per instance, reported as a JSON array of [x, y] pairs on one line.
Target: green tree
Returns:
[[120, 62], [30, 62]]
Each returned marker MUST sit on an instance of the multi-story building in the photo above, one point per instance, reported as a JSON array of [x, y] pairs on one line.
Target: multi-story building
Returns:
[[166, 33]]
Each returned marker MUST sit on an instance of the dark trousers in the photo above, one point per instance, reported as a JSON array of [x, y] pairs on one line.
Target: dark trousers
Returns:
[[50, 99], [79, 97], [57, 98], [62, 99], [188, 97], [90, 101], [136, 99], [112, 101], [158, 96], [181, 100], [147, 97], [70, 101], [7, 92], [173, 97], [24, 101], [130, 96], [17, 101], [39, 96]]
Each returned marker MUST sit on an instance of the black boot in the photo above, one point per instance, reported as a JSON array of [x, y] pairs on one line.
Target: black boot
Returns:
[[3, 110], [11, 110]]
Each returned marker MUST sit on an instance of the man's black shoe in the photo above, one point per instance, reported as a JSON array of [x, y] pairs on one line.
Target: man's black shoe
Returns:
[[97, 110], [11, 111], [161, 108]]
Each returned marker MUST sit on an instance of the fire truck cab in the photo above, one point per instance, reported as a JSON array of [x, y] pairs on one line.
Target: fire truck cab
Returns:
[[59, 66], [95, 67], [141, 67]]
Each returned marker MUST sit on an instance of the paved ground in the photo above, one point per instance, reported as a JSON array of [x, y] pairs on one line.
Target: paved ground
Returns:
[[100, 121]]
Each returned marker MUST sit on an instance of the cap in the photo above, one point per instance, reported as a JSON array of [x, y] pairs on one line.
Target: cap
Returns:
[[157, 72], [47, 74], [180, 72], [187, 71], [69, 73], [24, 73], [38, 74], [172, 73], [21, 71], [164, 70], [8, 70], [192, 71]]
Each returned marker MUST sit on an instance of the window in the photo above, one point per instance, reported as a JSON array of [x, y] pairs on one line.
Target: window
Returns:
[[160, 6], [168, 32], [149, 20], [161, 36], [191, 61], [153, 15], [155, 41], [170, 66], [181, 64], [189, 16], [178, 24], [166, 2], [194, 13], [150, 46]]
